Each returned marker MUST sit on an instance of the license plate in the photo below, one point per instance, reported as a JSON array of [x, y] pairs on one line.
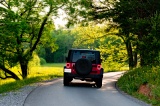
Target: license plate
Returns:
[[67, 70]]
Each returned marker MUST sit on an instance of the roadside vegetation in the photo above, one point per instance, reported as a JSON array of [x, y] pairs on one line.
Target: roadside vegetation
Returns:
[[142, 83], [36, 74]]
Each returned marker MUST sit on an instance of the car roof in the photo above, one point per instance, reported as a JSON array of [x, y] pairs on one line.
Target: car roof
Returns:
[[84, 50]]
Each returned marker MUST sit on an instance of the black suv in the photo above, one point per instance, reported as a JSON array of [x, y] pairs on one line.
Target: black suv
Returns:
[[83, 64]]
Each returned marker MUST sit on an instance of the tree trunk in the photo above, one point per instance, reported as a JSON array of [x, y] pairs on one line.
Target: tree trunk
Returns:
[[142, 61], [24, 68], [130, 54], [135, 59]]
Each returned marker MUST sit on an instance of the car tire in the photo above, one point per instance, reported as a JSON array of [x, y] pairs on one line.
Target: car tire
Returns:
[[99, 82], [83, 66], [66, 80]]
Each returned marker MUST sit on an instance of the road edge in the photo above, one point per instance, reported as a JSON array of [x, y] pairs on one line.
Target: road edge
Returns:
[[131, 97], [38, 85]]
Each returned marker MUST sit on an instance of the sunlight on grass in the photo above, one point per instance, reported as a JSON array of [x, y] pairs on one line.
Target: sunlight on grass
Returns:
[[36, 74], [45, 71]]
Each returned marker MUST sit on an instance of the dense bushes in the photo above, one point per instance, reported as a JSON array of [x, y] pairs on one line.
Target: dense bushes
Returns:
[[132, 80], [35, 61], [42, 61], [114, 66]]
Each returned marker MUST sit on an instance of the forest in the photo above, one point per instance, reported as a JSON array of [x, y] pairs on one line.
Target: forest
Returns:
[[126, 32]]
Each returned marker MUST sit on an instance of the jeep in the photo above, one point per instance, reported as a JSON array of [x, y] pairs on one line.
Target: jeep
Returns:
[[83, 64]]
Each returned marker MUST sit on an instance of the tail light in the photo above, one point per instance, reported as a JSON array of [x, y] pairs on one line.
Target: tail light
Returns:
[[68, 65], [99, 67]]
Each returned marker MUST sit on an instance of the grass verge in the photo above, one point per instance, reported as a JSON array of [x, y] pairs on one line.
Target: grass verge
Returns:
[[131, 81], [36, 74]]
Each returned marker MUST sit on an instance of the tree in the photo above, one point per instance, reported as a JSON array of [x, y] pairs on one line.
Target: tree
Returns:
[[118, 12], [133, 19], [22, 25], [136, 28]]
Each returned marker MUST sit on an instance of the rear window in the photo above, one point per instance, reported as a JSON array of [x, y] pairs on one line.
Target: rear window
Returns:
[[90, 55]]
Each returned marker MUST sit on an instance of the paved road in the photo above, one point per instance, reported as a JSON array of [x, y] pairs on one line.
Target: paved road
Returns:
[[79, 93]]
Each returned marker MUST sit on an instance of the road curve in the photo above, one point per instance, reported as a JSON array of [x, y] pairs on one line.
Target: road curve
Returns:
[[79, 93]]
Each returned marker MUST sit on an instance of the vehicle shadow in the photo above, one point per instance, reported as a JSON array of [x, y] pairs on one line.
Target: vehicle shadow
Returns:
[[82, 84]]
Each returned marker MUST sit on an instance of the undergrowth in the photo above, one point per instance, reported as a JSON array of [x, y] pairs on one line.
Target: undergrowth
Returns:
[[133, 79]]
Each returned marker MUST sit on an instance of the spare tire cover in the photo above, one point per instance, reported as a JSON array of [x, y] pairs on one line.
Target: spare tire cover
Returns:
[[83, 66]]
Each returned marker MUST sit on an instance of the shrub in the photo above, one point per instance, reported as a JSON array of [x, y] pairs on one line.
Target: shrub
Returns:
[[42, 61], [35, 61]]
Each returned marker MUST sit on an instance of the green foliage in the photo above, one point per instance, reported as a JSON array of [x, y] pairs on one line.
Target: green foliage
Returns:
[[131, 81], [35, 61], [150, 43], [78, 11], [114, 66], [47, 39], [41, 52], [113, 53], [42, 61], [88, 36], [113, 45], [64, 40], [140, 24]]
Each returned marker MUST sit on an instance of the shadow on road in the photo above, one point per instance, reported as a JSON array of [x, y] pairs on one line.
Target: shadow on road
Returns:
[[82, 84]]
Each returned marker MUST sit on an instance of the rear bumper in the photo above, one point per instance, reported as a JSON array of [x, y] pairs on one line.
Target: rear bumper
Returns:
[[92, 76]]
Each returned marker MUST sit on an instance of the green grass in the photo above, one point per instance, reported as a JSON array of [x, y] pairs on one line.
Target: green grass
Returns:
[[132, 80], [36, 74], [53, 65]]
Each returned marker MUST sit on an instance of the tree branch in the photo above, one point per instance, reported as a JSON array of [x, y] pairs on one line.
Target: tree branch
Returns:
[[6, 77], [30, 8], [41, 30], [14, 76]]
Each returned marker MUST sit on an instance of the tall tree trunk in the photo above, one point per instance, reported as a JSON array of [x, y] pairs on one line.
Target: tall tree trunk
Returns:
[[130, 54], [142, 61], [24, 68]]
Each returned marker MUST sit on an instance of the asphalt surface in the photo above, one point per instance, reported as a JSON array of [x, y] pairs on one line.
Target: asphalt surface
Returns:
[[80, 93]]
